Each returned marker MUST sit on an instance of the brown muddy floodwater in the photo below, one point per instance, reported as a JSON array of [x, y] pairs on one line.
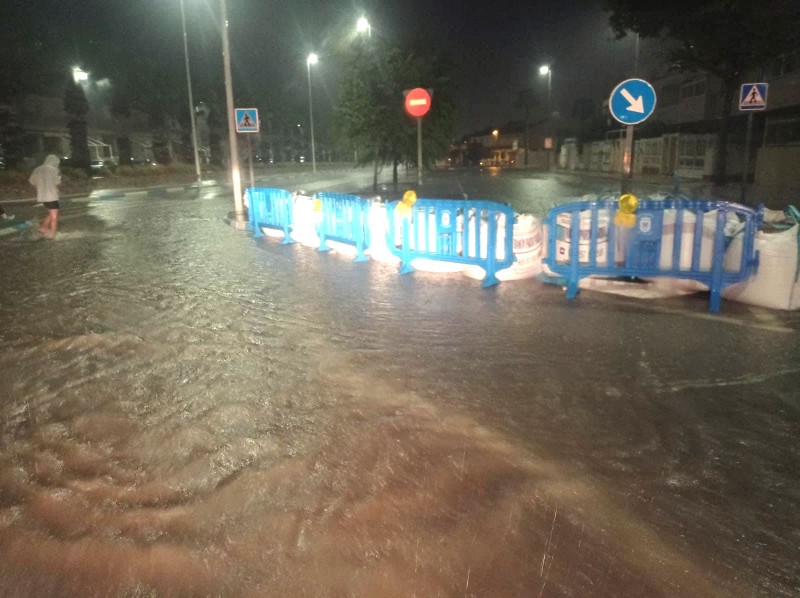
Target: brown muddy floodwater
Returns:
[[186, 412]]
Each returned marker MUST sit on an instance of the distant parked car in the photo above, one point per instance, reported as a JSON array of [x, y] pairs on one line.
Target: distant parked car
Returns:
[[109, 165]]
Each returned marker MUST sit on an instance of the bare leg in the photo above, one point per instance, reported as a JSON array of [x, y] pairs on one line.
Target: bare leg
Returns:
[[45, 226], [53, 215]]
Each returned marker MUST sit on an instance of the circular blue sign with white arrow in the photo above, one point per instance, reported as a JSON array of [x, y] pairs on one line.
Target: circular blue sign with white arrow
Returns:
[[632, 101]]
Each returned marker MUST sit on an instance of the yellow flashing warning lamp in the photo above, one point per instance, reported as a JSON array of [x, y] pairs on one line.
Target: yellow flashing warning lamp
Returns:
[[626, 215], [408, 201]]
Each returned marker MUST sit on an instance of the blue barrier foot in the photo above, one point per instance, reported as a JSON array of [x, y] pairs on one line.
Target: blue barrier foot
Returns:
[[323, 247], [406, 269], [572, 289], [361, 258], [715, 302], [287, 241], [490, 280]]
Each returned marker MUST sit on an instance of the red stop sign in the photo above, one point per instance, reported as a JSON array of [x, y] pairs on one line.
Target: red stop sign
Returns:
[[418, 102]]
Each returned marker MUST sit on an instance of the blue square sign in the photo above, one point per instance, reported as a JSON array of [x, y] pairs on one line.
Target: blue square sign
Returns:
[[753, 96], [247, 120]]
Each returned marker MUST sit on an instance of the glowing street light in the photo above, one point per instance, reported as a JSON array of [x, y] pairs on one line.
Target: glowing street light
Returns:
[[79, 75], [312, 59], [362, 26]]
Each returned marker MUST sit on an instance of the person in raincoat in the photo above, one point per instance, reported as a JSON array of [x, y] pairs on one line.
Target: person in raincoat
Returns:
[[46, 179]]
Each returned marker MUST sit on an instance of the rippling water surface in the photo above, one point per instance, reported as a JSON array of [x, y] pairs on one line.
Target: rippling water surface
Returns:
[[186, 411]]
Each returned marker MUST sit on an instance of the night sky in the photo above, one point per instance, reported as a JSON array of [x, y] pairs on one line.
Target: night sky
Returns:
[[496, 47]]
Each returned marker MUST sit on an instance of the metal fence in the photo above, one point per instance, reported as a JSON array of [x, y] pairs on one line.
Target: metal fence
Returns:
[[466, 232], [676, 238], [270, 208], [344, 220]]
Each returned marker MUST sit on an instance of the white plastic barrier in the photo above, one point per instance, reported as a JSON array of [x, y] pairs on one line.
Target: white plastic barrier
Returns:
[[776, 282]]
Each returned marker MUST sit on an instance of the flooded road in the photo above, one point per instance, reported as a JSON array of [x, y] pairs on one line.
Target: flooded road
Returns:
[[186, 411]]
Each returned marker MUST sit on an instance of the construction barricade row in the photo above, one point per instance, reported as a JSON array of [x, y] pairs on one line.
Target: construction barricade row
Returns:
[[680, 245]]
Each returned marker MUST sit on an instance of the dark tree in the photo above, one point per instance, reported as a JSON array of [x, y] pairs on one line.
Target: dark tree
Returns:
[[370, 117], [215, 124], [726, 38], [77, 109], [476, 152]]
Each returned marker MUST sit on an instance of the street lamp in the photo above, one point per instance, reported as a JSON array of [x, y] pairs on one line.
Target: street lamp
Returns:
[[234, 150], [312, 59], [79, 75], [546, 70], [191, 99], [363, 26]]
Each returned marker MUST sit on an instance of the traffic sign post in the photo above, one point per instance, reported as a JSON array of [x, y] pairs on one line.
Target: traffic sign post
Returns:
[[752, 98], [247, 122], [417, 104], [631, 103]]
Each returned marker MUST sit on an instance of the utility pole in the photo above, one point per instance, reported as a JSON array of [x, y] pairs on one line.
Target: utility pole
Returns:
[[234, 150], [191, 100]]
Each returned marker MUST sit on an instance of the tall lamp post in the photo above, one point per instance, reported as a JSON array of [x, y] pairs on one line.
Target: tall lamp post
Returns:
[[546, 70], [191, 100], [226, 58], [312, 59]]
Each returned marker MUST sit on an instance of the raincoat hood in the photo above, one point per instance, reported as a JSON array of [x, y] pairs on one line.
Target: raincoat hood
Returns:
[[46, 179]]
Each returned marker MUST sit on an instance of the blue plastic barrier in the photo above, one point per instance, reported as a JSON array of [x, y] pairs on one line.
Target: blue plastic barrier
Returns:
[[597, 247], [345, 219], [455, 236], [271, 208]]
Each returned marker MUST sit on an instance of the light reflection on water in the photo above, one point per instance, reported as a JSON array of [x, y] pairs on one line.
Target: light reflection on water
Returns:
[[188, 412]]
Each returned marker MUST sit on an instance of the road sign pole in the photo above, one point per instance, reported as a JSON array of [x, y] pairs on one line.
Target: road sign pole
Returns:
[[630, 103], [418, 103], [250, 160], [627, 160], [419, 152], [745, 172]]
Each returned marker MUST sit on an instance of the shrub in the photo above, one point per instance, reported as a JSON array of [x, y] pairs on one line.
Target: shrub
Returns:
[[13, 177], [74, 173]]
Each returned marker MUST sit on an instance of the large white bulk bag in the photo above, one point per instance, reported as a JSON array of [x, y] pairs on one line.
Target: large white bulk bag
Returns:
[[775, 284]]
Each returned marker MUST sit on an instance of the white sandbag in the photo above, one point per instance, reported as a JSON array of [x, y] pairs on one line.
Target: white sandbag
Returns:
[[527, 251], [564, 236], [660, 288], [775, 284], [306, 221], [378, 223]]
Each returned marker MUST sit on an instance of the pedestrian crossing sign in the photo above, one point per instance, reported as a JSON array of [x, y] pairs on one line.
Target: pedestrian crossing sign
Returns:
[[753, 96], [247, 120]]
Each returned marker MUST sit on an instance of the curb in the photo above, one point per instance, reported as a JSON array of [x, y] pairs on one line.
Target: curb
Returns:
[[110, 194]]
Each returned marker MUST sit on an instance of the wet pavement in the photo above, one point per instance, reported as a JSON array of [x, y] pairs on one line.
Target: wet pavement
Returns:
[[186, 411]]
